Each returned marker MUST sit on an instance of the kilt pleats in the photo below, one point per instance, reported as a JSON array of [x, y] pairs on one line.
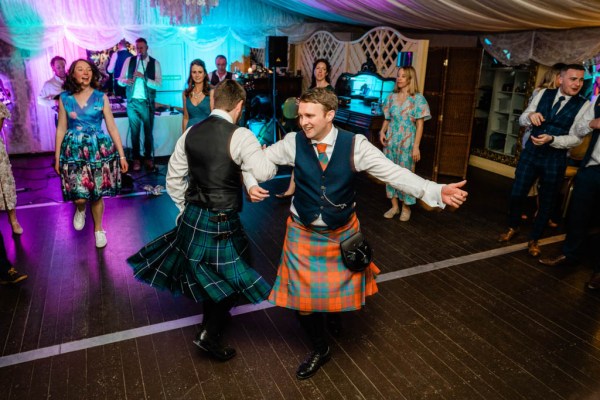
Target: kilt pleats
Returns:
[[312, 275], [190, 260]]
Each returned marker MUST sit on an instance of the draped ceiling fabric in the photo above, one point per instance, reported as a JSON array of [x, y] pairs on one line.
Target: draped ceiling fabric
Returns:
[[546, 27], [37, 24], [454, 15]]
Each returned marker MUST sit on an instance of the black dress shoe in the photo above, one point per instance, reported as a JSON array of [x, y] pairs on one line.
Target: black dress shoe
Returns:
[[311, 365], [556, 261], [334, 324], [594, 282], [213, 347]]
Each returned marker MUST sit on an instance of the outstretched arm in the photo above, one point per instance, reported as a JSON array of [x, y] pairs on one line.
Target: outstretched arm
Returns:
[[453, 195]]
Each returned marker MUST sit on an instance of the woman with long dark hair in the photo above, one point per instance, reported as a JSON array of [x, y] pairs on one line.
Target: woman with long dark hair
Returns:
[[197, 97], [83, 150], [320, 79]]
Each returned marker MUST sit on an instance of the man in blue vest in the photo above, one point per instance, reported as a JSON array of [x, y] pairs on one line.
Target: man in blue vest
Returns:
[[584, 212], [141, 76], [312, 278], [551, 114], [115, 66]]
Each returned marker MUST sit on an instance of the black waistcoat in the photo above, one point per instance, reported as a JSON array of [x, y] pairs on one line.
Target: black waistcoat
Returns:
[[149, 72], [214, 80], [215, 181]]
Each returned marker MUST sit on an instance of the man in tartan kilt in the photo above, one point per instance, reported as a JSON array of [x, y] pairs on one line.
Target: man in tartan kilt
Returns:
[[551, 114], [204, 257], [312, 278]]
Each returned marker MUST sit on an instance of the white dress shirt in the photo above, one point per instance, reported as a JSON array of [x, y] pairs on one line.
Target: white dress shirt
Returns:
[[245, 151], [138, 89], [581, 128], [560, 142], [52, 87], [366, 158]]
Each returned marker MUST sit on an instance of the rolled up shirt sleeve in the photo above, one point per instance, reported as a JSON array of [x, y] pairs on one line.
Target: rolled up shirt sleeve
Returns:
[[246, 152], [177, 174], [579, 129], [370, 159]]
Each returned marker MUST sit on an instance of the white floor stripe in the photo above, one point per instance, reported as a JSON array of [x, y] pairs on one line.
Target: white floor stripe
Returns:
[[133, 194], [102, 340]]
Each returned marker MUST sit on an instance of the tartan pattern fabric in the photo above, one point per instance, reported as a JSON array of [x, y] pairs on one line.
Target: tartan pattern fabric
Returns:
[[549, 168], [323, 159], [312, 275], [189, 260]]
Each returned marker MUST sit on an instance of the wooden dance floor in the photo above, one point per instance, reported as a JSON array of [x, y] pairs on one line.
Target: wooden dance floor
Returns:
[[457, 316]]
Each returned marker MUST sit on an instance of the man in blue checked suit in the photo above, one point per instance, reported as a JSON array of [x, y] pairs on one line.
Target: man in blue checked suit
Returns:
[[551, 114], [584, 213]]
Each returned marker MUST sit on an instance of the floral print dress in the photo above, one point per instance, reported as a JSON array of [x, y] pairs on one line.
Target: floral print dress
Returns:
[[401, 134], [89, 161], [8, 192]]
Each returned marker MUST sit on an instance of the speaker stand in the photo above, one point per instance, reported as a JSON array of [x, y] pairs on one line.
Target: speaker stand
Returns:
[[276, 123]]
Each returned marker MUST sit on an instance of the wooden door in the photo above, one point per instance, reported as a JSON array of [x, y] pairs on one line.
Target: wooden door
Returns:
[[451, 97], [434, 94]]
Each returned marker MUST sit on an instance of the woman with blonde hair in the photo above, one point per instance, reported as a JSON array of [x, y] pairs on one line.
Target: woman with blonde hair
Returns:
[[405, 111]]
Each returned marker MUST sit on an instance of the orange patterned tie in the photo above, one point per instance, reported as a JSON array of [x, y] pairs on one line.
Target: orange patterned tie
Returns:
[[322, 150]]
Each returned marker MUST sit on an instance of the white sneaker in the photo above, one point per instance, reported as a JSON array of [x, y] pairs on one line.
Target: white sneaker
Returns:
[[79, 219], [100, 239]]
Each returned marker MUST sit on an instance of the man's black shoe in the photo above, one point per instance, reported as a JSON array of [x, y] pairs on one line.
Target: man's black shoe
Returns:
[[213, 347], [311, 365], [594, 282]]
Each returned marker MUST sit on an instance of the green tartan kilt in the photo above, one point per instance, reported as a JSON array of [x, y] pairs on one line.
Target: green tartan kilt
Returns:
[[189, 259]]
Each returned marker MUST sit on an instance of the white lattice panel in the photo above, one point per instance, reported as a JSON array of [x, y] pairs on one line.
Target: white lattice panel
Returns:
[[321, 45], [381, 44]]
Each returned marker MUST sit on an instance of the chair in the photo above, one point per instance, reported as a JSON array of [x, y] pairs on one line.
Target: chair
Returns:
[[575, 156]]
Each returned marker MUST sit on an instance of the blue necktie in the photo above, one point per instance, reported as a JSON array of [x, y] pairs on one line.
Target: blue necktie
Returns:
[[322, 150], [556, 107]]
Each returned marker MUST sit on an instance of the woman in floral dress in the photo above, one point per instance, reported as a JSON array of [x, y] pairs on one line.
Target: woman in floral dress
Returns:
[[8, 192], [405, 110], [89, 161]]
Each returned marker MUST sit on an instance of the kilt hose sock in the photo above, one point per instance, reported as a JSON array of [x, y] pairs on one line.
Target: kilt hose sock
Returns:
[[314, 326]]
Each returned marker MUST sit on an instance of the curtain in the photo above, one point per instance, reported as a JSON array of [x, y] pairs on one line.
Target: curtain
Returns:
[[544, 47]]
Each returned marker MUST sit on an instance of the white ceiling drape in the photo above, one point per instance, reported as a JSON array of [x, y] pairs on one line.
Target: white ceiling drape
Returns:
[[454, 15], [544, 47], [38, 24]]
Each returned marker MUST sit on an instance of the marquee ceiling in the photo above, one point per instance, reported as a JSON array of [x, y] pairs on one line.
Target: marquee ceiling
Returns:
[[455, 15]]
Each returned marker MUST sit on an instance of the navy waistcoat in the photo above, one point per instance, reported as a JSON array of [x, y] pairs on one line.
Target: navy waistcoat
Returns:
[[316, 189]]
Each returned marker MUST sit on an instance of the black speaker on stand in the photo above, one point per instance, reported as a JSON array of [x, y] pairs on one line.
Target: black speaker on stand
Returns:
[[276, 54]]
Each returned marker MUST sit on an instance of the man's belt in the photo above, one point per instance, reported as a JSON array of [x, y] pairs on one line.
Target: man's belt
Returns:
[[220, 217]]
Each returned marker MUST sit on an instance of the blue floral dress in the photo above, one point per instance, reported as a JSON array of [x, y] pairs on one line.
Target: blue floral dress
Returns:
[[89, 162], [401, 134]]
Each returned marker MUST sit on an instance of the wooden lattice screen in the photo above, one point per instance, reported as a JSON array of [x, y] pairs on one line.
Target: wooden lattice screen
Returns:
[[381, 44]]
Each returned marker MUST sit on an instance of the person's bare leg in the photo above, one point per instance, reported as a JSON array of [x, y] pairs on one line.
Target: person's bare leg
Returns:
[[14, 222], [97, 214]]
